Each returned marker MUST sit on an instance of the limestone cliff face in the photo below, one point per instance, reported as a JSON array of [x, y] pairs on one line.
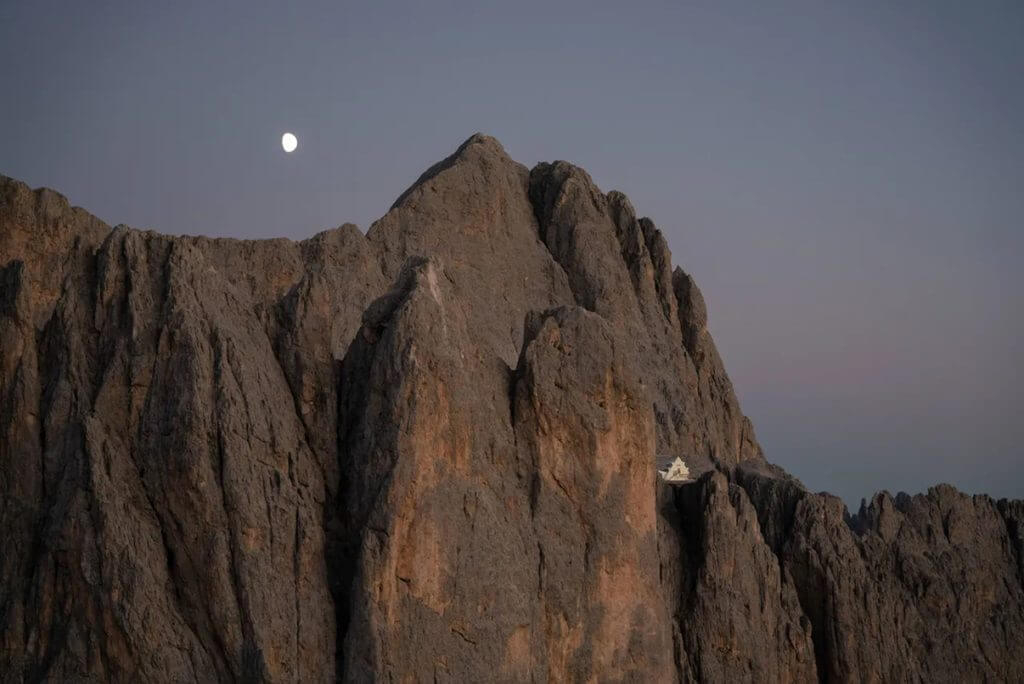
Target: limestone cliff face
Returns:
[[427, 453]]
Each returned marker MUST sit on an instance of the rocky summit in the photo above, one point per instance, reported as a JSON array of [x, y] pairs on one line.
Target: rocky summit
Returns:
[[428, 453]]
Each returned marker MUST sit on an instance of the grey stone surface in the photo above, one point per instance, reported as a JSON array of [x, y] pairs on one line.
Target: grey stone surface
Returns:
[[428, 453]]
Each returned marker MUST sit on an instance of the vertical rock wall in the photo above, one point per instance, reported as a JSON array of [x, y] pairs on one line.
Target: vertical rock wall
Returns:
[[427, 453]]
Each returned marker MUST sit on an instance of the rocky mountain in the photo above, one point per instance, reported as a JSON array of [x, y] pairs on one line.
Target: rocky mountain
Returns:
[[427, 453]]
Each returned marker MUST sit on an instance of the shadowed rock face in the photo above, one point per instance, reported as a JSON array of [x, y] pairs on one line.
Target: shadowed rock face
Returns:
[[427, 453]]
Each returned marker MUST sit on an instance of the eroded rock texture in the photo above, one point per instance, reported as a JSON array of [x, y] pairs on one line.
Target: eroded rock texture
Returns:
[[427, 454]]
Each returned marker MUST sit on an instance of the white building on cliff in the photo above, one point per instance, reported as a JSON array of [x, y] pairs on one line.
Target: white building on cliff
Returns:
[[673, 469]]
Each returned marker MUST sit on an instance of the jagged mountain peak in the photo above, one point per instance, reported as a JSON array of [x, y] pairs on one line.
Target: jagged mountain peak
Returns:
[[429, 453], [478, 150]]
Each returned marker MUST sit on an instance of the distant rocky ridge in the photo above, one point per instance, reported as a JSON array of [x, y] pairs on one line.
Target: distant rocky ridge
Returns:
[[427, 454]]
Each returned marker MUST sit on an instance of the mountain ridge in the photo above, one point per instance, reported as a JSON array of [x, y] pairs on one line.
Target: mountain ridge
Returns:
[[428, 452]]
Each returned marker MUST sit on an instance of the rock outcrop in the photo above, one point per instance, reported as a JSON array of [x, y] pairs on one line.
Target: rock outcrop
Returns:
[[428, 453]]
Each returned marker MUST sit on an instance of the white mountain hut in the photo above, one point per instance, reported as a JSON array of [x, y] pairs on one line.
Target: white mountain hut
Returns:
[[673, 469]]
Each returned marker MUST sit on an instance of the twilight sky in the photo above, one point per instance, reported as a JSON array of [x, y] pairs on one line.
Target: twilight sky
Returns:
[[844, 180]]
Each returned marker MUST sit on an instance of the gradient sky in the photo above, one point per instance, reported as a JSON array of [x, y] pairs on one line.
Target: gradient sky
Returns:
[[844, 180]]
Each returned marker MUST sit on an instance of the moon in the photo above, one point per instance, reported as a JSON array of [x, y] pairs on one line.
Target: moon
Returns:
[[289, 142]]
